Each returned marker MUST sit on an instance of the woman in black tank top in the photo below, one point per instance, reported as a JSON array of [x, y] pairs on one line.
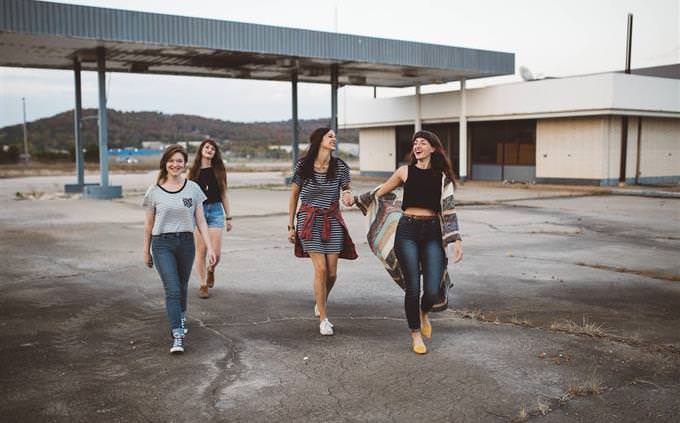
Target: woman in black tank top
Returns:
[[208, 171], [418, 242]]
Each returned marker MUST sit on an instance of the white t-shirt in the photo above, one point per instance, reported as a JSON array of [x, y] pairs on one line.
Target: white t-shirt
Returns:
[[174, 211]]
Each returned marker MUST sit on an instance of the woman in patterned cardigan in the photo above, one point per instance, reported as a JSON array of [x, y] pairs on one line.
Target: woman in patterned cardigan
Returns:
[[415, 241]]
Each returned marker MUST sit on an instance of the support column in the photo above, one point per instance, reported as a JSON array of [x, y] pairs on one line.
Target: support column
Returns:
[[334, 103], [104, 191], [419, 116], [77, 116], [77, 133], [462, 133], [296, 127], [103, 119]]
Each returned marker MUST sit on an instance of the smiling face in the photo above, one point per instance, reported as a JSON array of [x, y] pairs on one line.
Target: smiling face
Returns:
[[328, 141], [175, 165], [422, 149], [208, 151]]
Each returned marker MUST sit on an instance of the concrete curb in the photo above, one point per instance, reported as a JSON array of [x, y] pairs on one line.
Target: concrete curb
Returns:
[[646, 193]]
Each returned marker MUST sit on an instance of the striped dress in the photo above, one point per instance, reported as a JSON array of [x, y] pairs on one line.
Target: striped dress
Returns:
[[321, 192]]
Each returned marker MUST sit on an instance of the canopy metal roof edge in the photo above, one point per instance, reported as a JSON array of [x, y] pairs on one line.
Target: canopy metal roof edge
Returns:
[[207, 41]]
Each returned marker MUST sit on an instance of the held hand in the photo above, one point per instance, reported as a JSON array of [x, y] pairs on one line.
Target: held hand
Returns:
[[347, 198], [148, 260], [212, 259]]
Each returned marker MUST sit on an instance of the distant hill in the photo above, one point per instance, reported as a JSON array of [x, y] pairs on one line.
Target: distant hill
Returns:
[[129, 129]]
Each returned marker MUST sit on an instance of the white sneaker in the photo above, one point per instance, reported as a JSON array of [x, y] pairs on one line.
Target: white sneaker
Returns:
[[316, 311], [326, 327]]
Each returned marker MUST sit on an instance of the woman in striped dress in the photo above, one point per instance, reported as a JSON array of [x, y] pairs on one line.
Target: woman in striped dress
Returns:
[[321, 233]]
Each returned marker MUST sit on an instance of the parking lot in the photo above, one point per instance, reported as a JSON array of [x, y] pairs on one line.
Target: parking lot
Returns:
[[565, 308]]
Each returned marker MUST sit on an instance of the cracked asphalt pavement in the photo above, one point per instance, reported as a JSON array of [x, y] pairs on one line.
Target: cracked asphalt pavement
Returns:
[[85, 336]]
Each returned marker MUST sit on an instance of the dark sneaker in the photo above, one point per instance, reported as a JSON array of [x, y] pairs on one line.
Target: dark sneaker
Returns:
[[177, 341]]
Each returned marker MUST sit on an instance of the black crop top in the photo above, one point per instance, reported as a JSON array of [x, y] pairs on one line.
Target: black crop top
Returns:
[[423, 188], [208, 183]]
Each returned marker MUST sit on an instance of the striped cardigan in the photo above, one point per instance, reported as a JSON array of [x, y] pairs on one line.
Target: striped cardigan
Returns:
[[382, 216]]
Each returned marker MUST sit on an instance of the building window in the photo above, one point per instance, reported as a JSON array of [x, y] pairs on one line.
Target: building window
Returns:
[[504, 142]]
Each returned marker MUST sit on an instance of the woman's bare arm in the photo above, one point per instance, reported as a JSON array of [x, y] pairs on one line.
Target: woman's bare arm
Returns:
[[396, 180]]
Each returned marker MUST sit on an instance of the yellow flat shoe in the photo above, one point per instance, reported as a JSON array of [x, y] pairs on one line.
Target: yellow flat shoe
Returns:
[[419, 349], [426, 328]]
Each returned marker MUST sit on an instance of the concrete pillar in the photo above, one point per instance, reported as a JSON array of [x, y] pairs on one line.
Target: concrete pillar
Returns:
[[462, 134], [104, 190], [77, 134], [77, 116], [103, 119], [296, 126], [334, 98], [419, 116], [334, 104]]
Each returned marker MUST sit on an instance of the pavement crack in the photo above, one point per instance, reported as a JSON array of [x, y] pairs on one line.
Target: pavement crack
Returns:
[[646, 273], [270, 320], [494, 319]]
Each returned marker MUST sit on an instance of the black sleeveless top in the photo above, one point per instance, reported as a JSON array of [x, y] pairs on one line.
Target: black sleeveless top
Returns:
[[208, 183], [423, 188]]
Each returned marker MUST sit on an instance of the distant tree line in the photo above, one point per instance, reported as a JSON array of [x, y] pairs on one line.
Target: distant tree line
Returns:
[[51, 139]]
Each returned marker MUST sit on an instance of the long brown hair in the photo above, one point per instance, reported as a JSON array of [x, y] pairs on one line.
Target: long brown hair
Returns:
[[439, 159], [216, 163], [307, 168], [169, 152]]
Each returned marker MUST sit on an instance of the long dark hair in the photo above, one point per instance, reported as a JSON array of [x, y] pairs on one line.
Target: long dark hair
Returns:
[[439, 159], [307, 168], [216, 163], [169, 152]]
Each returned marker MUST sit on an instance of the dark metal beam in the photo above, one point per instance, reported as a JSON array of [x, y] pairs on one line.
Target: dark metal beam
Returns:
[[296, 126], [77, 122]]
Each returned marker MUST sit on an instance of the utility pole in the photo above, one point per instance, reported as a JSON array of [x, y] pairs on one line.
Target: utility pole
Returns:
[[25, 157], [624, 118]]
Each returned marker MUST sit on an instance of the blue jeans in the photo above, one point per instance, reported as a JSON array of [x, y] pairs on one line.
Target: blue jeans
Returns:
[[173, 256], [214, 215], [418, 247]]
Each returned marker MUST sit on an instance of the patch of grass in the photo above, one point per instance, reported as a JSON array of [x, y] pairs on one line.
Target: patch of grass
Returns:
[[29, 195], [471, 314], [587, 328], [523, 414], [542, 407], [520, 322], [646, 273], [591, 386]]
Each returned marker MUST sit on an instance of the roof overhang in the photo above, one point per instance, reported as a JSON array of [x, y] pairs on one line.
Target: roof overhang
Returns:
[[46, 35]]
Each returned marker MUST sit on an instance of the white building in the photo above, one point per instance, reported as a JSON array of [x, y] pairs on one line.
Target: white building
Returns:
[[565, 130]]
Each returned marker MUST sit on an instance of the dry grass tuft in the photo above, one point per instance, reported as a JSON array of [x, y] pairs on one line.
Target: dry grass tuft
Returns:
[[523, 414], [587, 328], [520, 322], [542, 407], [591, 386], [471, 314]]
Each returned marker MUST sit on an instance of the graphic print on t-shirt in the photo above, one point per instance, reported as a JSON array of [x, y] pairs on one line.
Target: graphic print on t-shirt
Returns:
[[187, 202]]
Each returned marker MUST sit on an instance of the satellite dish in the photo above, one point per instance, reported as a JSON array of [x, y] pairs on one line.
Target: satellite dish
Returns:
[[526, 74]]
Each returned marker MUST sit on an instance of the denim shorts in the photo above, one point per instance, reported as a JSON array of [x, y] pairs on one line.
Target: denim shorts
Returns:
[[214, 215]]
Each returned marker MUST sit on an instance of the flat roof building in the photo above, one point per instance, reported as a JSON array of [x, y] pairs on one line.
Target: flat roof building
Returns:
[[557, 130]]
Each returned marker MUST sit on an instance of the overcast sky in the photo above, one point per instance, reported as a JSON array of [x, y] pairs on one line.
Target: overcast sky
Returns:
[[554, 38]]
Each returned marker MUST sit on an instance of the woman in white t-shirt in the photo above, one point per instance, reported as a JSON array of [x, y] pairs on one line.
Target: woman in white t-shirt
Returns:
[[174, 207]]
